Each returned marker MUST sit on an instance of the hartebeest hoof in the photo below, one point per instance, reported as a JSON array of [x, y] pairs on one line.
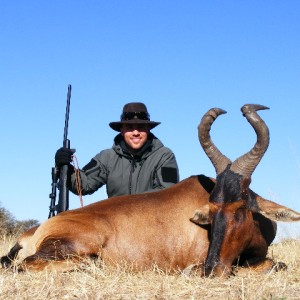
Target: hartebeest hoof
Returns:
[[280, 266], [5, 262], [266, 266]]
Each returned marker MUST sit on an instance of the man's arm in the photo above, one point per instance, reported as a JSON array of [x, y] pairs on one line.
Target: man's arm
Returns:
[[167, 173], [92, 177]]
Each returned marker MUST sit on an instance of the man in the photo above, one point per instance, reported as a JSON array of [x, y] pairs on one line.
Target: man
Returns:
[[138, 162]]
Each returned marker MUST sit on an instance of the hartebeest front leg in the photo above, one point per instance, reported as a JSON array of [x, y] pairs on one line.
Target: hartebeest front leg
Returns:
[[260, 265]]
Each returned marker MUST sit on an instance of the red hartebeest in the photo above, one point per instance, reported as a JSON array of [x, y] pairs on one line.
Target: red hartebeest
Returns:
[[199, 221]]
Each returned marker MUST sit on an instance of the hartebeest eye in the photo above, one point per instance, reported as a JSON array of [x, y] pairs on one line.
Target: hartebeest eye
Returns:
[[240, 214]]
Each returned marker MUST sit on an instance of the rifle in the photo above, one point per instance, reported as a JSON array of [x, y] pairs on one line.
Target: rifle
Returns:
[[61, 173]]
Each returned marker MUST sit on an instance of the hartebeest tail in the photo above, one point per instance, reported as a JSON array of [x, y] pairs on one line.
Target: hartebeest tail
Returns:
[[157, 228]]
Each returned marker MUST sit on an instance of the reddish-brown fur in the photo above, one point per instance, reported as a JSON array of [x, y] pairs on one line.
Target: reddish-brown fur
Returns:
[[137, 230], [141, 230]]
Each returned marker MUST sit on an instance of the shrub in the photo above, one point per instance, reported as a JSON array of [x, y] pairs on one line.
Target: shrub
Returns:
[[10, 226]]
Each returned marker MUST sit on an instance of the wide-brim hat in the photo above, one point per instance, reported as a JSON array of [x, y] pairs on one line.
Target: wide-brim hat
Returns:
[[134, 113]]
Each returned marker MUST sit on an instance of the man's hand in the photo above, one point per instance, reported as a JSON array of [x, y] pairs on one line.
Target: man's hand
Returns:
[[63, 156]]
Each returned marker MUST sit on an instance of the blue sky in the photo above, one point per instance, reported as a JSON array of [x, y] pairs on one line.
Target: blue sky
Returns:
[[179, 57]]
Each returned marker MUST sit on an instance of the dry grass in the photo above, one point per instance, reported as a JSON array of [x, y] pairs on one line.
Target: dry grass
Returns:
[[103, 282]]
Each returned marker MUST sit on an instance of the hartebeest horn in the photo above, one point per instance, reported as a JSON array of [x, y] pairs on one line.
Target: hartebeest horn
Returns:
[[246, 164], [219, 160]]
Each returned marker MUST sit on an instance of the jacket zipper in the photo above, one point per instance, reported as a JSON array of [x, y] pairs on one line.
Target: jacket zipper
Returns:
[[130, 175]]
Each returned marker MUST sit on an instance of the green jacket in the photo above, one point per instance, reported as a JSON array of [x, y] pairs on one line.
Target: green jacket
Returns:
[[154, 168]]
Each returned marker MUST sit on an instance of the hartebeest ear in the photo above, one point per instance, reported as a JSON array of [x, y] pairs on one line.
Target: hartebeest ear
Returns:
[[276, 212], [201, 216]]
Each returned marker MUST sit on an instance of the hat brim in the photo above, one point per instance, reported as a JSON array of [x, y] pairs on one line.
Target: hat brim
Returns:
[[117, 125]]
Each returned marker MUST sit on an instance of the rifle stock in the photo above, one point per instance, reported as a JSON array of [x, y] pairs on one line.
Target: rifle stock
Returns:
[[62, 172]]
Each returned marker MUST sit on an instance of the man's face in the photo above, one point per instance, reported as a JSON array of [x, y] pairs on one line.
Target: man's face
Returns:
[[135, 135]]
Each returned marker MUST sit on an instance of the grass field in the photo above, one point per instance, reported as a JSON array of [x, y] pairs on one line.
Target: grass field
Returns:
[[97, 281]]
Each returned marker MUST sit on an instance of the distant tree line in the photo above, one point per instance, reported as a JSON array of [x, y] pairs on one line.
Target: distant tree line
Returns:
[[10, 226]]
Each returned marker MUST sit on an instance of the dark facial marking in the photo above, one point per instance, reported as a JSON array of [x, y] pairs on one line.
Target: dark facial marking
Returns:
[[218, 234], [228, 187]]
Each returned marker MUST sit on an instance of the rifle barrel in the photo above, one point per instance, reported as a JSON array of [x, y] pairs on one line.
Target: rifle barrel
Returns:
[[67, 114]]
